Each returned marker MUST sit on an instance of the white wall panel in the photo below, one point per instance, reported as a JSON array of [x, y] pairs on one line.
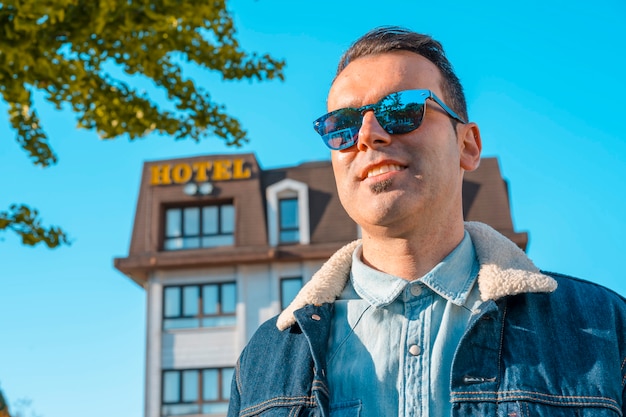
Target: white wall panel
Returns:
[[153, 348], [256, 293], [201, 348]]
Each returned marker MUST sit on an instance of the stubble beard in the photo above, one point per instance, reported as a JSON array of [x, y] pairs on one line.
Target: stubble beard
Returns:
[[380, 186]]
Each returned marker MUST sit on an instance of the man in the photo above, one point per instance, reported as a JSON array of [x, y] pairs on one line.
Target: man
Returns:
[[426, 315]]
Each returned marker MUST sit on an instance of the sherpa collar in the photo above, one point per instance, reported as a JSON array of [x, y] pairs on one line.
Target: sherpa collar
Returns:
[[504, 270]]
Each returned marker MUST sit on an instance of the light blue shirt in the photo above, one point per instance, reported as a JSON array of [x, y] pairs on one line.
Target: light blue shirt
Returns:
[[392, 341]]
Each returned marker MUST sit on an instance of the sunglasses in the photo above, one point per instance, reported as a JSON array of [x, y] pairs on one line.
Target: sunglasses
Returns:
[[397, 113]]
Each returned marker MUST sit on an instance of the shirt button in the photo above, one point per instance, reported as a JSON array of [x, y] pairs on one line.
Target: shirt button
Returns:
[[415, 350], [416, 290]]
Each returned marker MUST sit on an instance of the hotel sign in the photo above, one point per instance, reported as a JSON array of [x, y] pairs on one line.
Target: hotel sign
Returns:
[[200, 171]]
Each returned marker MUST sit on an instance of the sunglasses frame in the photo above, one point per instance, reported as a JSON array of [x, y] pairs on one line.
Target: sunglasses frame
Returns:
[[422, 94]]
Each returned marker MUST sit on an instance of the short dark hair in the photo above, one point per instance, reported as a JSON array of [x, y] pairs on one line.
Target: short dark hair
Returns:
[[393, 38]]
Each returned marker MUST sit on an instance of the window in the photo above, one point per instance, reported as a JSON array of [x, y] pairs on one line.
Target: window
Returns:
[[288, 212], [208, 305], [196, 391], [288, 220], [289, 288], [199, 227]]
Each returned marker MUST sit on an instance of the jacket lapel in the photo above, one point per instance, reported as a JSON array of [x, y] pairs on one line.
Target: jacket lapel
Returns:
[[504, 270]]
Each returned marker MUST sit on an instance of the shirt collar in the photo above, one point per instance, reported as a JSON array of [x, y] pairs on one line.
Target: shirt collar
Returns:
[[452, 278]]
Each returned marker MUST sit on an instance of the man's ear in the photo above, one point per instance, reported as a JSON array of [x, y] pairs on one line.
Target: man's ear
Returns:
[[470, 145]]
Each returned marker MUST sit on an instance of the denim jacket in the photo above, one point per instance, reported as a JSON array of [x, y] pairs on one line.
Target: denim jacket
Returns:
[[540, 344]]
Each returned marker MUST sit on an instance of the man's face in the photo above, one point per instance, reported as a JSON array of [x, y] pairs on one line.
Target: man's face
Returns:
[[397, 181]]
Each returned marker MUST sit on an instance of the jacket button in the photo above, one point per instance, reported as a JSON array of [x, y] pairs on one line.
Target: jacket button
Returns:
[[416, 290], [415, 350], [316, 317]]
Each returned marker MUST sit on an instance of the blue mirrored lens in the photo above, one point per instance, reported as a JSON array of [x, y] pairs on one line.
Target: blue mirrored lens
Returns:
[[398, 113], [341, 139]]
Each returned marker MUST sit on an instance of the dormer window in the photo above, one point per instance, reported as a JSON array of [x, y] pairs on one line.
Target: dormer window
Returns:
[[289, 224], [288, 212]]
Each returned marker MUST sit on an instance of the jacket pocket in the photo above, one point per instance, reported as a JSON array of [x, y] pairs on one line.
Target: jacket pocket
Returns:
[[346, 409]]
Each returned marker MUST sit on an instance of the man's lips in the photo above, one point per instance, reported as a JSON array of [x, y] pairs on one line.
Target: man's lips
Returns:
[[382, 168]]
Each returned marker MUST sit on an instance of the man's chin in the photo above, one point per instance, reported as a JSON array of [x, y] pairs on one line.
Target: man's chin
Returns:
[[381, 186]]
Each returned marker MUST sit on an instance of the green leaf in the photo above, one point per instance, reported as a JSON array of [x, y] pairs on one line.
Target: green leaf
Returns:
[[25, 221]]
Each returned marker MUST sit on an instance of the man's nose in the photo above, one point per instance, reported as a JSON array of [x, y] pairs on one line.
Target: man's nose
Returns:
[[371, 134]]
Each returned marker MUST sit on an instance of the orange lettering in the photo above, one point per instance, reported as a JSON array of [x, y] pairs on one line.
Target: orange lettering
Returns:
[[221, 170], [201, 169], [181, 173], [239, 171], [160, 175]]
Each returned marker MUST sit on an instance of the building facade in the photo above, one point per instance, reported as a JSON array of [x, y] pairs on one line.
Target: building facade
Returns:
[[221, 245]]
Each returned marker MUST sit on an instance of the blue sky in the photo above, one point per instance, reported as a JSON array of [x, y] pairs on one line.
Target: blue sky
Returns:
[[544, 82]]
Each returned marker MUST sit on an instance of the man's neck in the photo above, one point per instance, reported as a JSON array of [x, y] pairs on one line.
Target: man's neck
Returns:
[[413, 256]]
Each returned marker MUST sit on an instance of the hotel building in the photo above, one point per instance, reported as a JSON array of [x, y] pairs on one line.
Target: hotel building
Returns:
[[221, 245]]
